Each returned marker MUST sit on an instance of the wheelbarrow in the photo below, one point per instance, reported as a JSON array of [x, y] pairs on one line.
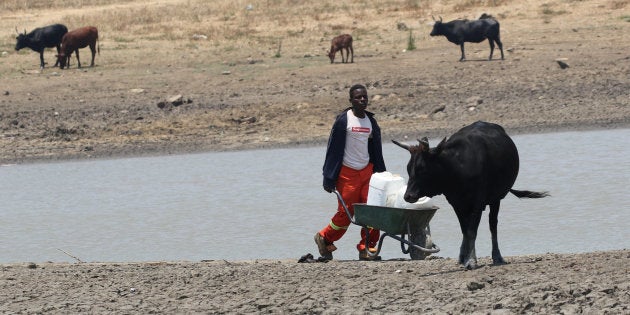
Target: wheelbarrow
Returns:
[[397, 223]]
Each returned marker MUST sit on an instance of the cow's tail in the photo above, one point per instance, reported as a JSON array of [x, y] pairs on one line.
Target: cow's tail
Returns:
[[529, 194]]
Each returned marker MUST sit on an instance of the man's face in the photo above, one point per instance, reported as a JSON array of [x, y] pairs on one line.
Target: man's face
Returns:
[[359, 99]]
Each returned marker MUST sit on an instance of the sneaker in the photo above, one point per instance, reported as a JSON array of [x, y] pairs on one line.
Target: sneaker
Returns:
[[364, 255], [325, 248]]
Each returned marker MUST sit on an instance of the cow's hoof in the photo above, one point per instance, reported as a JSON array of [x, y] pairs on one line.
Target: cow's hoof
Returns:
[[470, 264]]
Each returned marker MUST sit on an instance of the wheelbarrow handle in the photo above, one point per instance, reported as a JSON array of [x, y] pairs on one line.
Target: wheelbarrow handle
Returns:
[[345, 207]]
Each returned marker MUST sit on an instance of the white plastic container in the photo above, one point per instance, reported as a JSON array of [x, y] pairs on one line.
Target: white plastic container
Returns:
[[422, 203], [384, 188]]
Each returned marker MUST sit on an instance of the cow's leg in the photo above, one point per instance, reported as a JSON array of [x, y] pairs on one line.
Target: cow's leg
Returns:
[[498, 40], [352, 51], [471, 236], [462, 48], [76, 51], [469, 218], [468, 222], [93, 49], [58, 52], [491, 47], [41, 59], [463, 248], [344, 60], [497, 259]]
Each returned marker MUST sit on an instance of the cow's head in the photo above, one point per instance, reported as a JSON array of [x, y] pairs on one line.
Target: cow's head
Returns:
[[21, 40], [331, 55], [437, 27], [423, 169], [62, 58]]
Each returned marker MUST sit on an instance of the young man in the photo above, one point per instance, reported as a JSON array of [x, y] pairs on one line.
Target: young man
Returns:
[[354, 153]]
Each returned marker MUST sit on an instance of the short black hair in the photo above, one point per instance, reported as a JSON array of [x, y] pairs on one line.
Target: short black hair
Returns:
[[356, 87]]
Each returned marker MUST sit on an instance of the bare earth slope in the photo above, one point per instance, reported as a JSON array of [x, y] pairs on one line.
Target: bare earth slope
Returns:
[[243, 98]]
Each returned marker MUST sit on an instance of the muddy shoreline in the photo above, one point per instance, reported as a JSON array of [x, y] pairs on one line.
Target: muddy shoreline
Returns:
[[591, 283]]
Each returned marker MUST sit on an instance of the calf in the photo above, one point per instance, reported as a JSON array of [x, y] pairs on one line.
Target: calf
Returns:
[[460, 31], [40, 38], [75, 39], [338, 44]]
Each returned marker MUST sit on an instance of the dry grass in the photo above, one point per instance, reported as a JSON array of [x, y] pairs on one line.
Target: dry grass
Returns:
[[132, 31]]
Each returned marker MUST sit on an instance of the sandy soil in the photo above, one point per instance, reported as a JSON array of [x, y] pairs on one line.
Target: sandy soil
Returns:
[[258, 101], [591, 283]]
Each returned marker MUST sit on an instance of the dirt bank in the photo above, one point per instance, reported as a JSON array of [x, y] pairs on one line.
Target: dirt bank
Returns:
[[591, 283]]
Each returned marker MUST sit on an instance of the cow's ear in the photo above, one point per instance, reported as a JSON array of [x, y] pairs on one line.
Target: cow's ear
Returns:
[[423, 144], [440, 146]]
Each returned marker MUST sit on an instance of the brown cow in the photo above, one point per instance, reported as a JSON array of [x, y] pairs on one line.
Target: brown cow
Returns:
[[338, 44], [75, 39]]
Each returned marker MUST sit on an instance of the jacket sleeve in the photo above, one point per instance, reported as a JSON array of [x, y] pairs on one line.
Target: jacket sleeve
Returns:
[[334, 152]]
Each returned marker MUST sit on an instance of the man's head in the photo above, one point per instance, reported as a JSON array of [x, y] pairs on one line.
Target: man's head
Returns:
[[358, 99]]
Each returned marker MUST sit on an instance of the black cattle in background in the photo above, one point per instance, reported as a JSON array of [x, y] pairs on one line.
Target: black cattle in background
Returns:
[[475, 167], [40, 38], [461, 31]]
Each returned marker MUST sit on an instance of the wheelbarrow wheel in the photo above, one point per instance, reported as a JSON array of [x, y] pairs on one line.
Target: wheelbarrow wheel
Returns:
[[420, 236]]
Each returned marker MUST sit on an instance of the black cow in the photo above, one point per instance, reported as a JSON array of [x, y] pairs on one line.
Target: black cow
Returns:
[[475, 167], [460, 31], [40, 38]]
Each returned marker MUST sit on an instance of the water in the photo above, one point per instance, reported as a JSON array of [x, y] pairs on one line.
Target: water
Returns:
[[268, 204]]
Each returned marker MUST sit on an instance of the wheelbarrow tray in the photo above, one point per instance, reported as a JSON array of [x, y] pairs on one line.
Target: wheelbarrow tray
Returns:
[[392, 220]]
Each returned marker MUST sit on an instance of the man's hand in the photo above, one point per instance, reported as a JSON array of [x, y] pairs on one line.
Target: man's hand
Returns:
[[329, 189]]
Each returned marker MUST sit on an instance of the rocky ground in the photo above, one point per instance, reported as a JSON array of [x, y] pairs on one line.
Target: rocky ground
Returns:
[[589, 283]]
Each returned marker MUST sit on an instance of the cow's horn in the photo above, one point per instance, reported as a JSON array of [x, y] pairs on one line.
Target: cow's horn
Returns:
[[440, 19], [402, 145], [433, 17]]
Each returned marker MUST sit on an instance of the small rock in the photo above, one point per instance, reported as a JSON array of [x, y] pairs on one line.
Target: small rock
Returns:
[[136, 90], [473, 286], [474, 101], [226, 72], [176, 100], [401, 26], [439, 109], [561, 62], [199, 37], [6, 92], [31, 266]]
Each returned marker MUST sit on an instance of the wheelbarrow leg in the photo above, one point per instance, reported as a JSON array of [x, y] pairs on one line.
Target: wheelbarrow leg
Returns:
[[378, 247]]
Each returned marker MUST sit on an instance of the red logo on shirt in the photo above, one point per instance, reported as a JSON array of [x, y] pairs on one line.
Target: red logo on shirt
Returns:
[[361, 129]]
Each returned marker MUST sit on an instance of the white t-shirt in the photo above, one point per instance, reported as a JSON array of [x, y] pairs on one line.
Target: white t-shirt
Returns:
[[358, 131]]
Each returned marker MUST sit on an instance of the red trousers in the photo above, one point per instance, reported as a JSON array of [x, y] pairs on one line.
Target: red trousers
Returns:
[[353, 186]]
